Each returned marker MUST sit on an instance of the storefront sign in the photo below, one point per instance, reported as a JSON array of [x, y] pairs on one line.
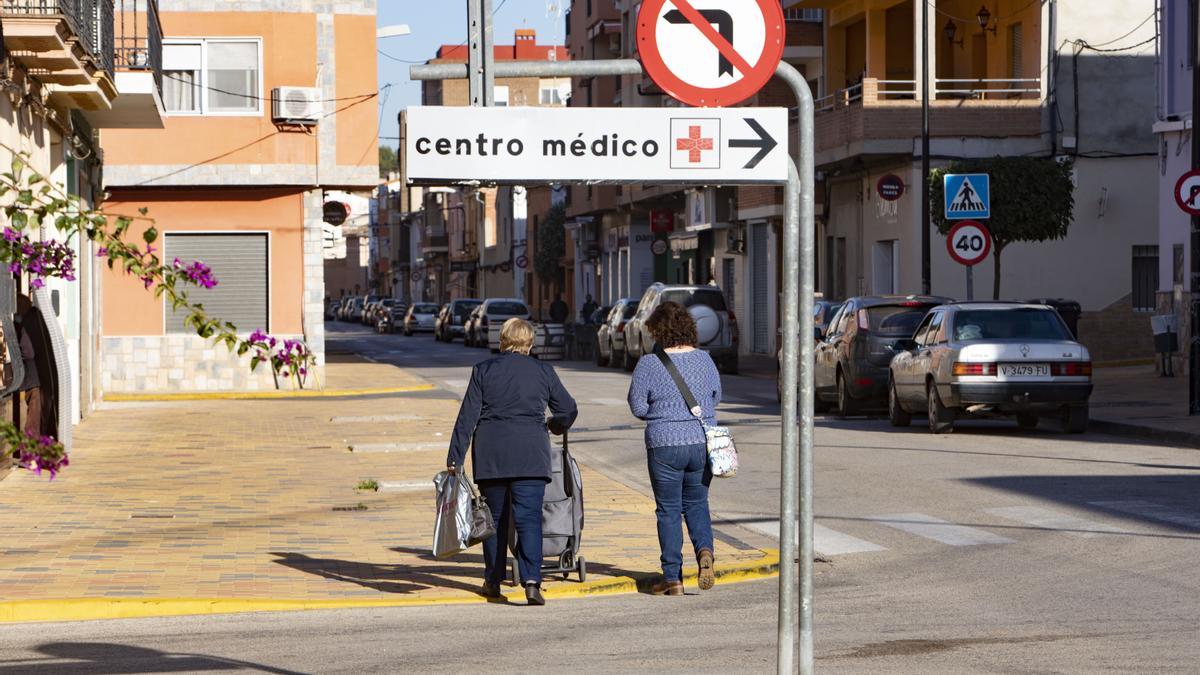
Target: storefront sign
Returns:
[[662, 220]]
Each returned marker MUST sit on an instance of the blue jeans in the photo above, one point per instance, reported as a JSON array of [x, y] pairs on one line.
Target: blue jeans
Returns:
[[680, 475], [522, 498]]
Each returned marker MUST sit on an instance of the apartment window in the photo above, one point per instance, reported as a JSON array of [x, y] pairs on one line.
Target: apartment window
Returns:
[[213, 76], [1145, 277], [551, 92], [240, 263], [501, 96], [1015, 40]]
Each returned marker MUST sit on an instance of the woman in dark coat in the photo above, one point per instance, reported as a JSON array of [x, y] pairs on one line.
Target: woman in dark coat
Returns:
[[503, 420]]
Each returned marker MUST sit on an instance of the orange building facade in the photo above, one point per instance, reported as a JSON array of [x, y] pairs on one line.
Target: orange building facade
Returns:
[[266, 110]]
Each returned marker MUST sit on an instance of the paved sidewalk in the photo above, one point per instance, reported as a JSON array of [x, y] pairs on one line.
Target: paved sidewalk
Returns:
[[1134, 401], [183, 507]]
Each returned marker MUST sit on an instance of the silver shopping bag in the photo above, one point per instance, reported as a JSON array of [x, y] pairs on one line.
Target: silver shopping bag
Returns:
[[452, 528]]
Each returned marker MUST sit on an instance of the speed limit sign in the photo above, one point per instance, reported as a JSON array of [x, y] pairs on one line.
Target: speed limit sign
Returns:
[[969, 242]]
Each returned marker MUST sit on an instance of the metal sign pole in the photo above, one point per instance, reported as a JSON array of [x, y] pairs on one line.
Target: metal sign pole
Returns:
[[970, 282], [796, 462], [474, 52]]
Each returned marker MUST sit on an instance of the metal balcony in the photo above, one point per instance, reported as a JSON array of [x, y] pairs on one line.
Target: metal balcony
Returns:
[[139, 39], [88, 22]]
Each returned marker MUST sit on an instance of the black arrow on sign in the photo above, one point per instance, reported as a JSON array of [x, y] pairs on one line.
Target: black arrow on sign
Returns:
[[724, 24], [765, 143]]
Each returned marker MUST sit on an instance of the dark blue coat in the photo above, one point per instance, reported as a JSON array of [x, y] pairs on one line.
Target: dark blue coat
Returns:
[[503, 418]]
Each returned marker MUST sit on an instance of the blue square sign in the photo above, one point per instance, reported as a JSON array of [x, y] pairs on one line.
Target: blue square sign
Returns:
[[968, 196]]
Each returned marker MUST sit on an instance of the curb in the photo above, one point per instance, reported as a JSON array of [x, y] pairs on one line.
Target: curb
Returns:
[[1169, 436], [1124, 363], [91, 609], [255, 395]]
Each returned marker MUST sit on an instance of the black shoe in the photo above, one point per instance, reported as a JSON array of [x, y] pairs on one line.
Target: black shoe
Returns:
[[533, 594], [490, 591]]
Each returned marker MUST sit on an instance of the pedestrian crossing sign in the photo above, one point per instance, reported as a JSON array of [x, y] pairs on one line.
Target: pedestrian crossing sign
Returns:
[[968, 196]]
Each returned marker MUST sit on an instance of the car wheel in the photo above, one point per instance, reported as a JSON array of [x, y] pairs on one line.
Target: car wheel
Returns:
[[1075, 419], [847, 405], [1027, 420], [941, 418], [601, 359], [628, 363], [821, 406], [897, 415]]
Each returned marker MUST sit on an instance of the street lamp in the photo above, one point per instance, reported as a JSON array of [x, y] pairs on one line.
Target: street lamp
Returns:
[[951, 31], [396, 30], [984, 17]]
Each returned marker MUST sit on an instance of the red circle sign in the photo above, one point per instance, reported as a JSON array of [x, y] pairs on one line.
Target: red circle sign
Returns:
[[890, 187], [969, 242], [673, 57], [1187, 192]]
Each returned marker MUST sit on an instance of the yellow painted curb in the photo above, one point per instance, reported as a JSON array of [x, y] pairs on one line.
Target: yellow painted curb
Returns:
[[250, 395], [90, 609]]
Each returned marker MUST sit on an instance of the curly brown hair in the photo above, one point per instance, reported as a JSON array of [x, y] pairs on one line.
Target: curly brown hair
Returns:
[[671, 326]]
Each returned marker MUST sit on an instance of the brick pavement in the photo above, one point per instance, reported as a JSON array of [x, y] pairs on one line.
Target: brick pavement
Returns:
[[255, 501]]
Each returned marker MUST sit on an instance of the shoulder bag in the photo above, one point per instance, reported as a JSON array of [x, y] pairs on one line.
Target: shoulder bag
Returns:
[[722, 454]]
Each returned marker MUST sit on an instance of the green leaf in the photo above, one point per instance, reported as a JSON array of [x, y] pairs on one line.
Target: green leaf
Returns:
[[150, 235], [20, 220], [25, 197], [143, 210]]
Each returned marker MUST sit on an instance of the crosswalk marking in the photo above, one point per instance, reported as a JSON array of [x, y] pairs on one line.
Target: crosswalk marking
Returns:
[[939, 530], [1050, 520], [1153, 511], [826, 541]]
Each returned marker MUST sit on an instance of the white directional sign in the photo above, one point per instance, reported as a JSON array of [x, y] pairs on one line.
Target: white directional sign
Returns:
[[519, 145]]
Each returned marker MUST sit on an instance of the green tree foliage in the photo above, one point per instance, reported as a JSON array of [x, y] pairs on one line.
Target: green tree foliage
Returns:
[[387, 160], [1033, 199], [551, 244]]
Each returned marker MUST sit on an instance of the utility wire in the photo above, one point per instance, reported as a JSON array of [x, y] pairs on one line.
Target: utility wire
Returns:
[[1143, 23], [400, 60], [255, 97]]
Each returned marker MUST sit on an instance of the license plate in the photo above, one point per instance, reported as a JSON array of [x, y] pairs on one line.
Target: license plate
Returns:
[[1012, 370]]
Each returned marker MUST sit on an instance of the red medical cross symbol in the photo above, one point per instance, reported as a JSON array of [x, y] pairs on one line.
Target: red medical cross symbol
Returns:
[[693, 144]]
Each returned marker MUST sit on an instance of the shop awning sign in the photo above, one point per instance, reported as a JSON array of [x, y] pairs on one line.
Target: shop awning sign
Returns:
[[669, 145]]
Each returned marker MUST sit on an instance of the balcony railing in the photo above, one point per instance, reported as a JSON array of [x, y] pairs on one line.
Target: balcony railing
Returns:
[[945, 89], [139, 39], [982, 88], [90, 20]]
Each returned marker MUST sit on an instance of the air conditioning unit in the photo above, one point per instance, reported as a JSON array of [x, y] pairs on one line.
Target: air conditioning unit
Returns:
[[296, 105]]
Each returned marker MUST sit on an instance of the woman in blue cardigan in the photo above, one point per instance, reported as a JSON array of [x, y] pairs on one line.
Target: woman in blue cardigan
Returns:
[[676, 452], [503, 421]]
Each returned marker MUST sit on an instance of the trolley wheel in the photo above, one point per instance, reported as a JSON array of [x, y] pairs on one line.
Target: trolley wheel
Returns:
[[512, 573], [582, 569]]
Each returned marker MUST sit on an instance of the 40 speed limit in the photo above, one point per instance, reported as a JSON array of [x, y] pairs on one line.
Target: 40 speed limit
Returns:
[[969, 242]]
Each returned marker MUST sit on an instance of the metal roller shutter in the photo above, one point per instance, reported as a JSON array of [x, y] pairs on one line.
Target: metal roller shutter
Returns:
[[758, 258], [239, 263]]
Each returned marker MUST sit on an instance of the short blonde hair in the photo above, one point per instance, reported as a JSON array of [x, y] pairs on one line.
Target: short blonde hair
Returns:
[[516, 335]]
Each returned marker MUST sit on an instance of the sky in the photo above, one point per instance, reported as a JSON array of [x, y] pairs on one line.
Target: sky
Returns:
[[438, 22]]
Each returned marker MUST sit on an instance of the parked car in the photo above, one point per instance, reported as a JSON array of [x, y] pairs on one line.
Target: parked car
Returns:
[[381, 309], [470, 327], [850, 369], [392, 319], [991, 358], [610, 338], [823, 311], [454, 317], [368, 309], [420, 318], [331, 309], [353, 309], [490, 316], [716, 326]]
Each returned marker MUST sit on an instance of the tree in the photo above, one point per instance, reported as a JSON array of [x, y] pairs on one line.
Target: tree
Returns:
[[551, 244], [387, 160], [1033, 199]]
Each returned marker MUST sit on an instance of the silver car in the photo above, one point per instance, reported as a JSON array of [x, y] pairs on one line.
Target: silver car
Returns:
[[610, 337], [716, 326], [991, 358], [420, 318]]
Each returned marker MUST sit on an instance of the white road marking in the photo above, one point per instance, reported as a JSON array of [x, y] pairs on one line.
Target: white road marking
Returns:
[[395, 447], [374, 418], [405, 486], [825, 540], [1189, 519], [939, 530], [617, 402], [1051, 520], [457, 384]]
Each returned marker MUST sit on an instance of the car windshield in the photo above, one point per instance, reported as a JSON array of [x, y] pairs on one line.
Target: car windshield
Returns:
[[507, 308], [896, 319], [696, 296], [425, 309], [1020, 323], [464, 308], [630, 310]]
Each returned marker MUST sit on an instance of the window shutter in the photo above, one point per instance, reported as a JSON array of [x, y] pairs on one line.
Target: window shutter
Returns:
[[239, 264], [1015, 38]]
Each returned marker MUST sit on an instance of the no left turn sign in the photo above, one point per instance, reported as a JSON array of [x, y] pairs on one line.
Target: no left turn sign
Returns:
[[969, 243], [711, 53]]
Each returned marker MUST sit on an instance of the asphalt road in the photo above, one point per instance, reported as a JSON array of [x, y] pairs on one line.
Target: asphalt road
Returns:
[[987, 550]]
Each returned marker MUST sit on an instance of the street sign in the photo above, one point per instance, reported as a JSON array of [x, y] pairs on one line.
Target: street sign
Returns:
[[662, 220], [664, 145], [1187, 192], [712, 53], [890, 187], [522, 262], [969, 243], [968, 196], [335, 213], [659, 247]]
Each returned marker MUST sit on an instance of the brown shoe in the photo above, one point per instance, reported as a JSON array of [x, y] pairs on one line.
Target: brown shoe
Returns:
[[490, 591], [705, 561], [665, 587]]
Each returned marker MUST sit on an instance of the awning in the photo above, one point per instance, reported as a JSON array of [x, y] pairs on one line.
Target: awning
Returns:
[[603, 27]]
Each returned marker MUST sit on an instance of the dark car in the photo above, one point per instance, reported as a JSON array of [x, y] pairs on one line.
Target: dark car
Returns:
[[453, 318], [851, 362], [823, 311]]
